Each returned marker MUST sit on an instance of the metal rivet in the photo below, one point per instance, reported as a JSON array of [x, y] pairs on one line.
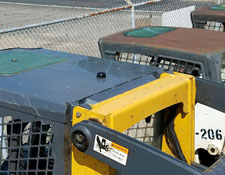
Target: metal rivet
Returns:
[[78, 114]]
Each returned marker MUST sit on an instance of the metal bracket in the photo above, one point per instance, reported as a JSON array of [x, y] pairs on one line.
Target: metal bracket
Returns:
[[126, 154]]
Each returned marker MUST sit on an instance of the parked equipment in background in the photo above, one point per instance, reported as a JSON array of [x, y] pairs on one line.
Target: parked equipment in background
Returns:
[[211, 18], [192, 51]]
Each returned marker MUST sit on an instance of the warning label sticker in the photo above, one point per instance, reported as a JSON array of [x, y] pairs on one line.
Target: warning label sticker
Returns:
[[111, 150]]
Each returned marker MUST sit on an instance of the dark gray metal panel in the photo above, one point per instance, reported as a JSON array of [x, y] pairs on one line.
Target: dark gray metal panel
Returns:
[[108, 93], [217, 168], [45, 91], [202, 16], [43, 96], [33, 144], [210, 62], [142, 158], [70, 80], [29, 105], [210, 94]]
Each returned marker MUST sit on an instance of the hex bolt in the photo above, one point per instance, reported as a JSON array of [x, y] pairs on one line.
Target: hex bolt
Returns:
[[79, 140], [78, 114], [213, 150], [101, 75]]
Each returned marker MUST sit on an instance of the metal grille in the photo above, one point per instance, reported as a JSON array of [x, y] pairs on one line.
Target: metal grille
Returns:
[[166, 63], [216, 26], [149, 130], [222, 69], [142, 131], [26, 147]]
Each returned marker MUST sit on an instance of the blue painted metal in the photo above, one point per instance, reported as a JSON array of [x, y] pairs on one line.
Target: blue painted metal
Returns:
[[51, 87]]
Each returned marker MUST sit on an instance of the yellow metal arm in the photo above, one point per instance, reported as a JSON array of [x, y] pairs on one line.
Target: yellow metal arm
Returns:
[[124, 110]]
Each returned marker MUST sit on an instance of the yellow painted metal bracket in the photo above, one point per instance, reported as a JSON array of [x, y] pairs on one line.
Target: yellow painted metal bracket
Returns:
[[124, 110]]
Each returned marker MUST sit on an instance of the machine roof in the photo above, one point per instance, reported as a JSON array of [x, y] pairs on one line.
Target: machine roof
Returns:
[[71, 78], [216, 10], [182, 39]]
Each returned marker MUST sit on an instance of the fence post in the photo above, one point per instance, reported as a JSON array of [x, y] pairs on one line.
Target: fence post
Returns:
[[132, 13]]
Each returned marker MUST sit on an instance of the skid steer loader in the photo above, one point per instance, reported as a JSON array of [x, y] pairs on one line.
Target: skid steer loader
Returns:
[[63, 113], [210, 18], [192, 51]]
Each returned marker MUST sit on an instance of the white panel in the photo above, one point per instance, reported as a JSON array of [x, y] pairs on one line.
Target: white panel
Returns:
[[178, 18], [209, 128]]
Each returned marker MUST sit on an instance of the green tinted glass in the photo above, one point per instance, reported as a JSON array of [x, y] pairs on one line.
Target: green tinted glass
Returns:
[[147, 32], [218, 7], [16, 61]]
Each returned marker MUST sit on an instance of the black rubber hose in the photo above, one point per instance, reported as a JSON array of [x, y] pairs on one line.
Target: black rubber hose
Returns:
[[171, 137]]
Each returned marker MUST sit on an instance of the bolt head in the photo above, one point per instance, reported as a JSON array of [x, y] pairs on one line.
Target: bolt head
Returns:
[[14, 60], [101, 75], [78, 114], [213, 150], [79, 140]]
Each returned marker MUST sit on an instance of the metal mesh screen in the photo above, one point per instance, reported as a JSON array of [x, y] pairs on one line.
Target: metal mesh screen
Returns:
[[26, 147], [166, 63], [216, 26], [149, 131], [142, 131]]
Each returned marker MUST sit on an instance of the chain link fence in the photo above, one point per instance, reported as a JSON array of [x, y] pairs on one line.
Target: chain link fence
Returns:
[[81, 34]]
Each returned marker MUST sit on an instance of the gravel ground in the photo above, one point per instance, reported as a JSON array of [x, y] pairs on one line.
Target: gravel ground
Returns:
[[77, 36], [18, 15]]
